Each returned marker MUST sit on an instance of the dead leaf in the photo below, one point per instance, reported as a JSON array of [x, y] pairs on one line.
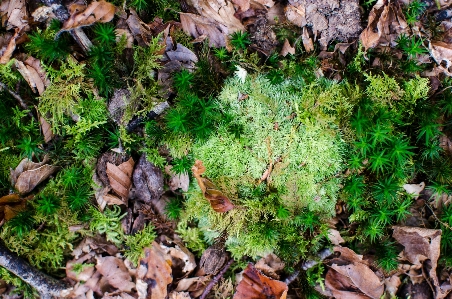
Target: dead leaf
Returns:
[[270, 265], [441, 52], [218, 201], [148, 181], [139, 30], [351, 277], [6, 57], [392, 285], [307, 41], [46, 129], [155, 270], [212, 260], [385, 24], [179, 295], [177, 181], [296, 14], [255, 285], [414, 189], [200, 26], [31, 76], [115, 272], [194, 285], [335, 237], [124, 33], [182, 260], [287, 49], [120, 178], [14, 14], [221, 11], [28, 174], [43, 13], [10, 206], [97, 11], [422, 244]]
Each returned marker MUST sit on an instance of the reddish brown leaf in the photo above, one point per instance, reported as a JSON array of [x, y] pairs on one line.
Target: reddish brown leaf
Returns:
[[155, 270], [120, 177], [100, 11], [10, 206], [115, 272], [255, 285], [270, 265], [218, 201]]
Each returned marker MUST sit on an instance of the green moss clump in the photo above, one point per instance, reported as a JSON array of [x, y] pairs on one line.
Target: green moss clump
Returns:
[[289, 129]]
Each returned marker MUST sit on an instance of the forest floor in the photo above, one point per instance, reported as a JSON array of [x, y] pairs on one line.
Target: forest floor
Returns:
[[226, 149]]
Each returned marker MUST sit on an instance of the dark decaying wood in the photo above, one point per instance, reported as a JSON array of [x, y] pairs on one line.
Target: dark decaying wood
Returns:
[[46, 286]]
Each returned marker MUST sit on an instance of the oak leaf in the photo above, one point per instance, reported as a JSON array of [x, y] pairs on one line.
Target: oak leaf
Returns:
[[218, 201], [97, 11], [255, 285], [120, 177]]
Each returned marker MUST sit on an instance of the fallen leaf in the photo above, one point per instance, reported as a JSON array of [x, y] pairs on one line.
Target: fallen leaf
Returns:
[[124, 33], [43, 13], [120, 178], [385, 24], [28, 174], [392, 285], [10, 206], [351, 277], [422, 244], [139, 30], [155, 270], [6, 56], [287, 49], [194, 285], [270, 265], [200, 26], [296, 14], [212, 260], [179, 295], [441, 52], [221, 11], [335, 237], [307, 41], [14, 14], [414, 189], [255, 285], [97, 11], [182, 259], [115, 272], [218, 201], [177, 181], [31, 76], [46, 129], [148, 181]]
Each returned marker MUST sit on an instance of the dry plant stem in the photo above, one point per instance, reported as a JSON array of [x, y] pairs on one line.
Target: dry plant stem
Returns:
[[216, 279], [436, 218], [323, 254], [46, 286], [17, 97]]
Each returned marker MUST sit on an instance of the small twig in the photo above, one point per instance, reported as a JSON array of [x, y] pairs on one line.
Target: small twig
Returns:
[[322, 254], [17, 97], [215, 280], [436, 217]]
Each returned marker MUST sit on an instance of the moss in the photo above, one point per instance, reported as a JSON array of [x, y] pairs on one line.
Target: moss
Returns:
[[291, 128]]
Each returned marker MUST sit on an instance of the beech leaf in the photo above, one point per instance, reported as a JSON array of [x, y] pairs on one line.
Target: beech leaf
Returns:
[[218, 201], [28, 174], [155, 270], [255, 285], [120, 177]]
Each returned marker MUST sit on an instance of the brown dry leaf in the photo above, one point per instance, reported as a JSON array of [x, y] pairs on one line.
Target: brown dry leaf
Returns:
[[179, 295], [296, 14], [28, 174], [120, 178], [148, 181], [255, 285], [127, 35], [115, 272], [270, 265], [182, 260], [386, 22], [155, 270], [422, 244], [212, 260], [97, 11], [351, 277], [10, 206], [139, 30], [218, 201], [200, 26], [6, 56], [287, 49], [14, 14], [441, 52], [177, 181], [335, 237], [194, 285], [46, 129], [31, 76], [221, 11], [307, 41], [392, 285]]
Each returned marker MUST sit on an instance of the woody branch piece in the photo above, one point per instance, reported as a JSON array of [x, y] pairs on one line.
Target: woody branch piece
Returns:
[[216, 279], [46, 286]]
